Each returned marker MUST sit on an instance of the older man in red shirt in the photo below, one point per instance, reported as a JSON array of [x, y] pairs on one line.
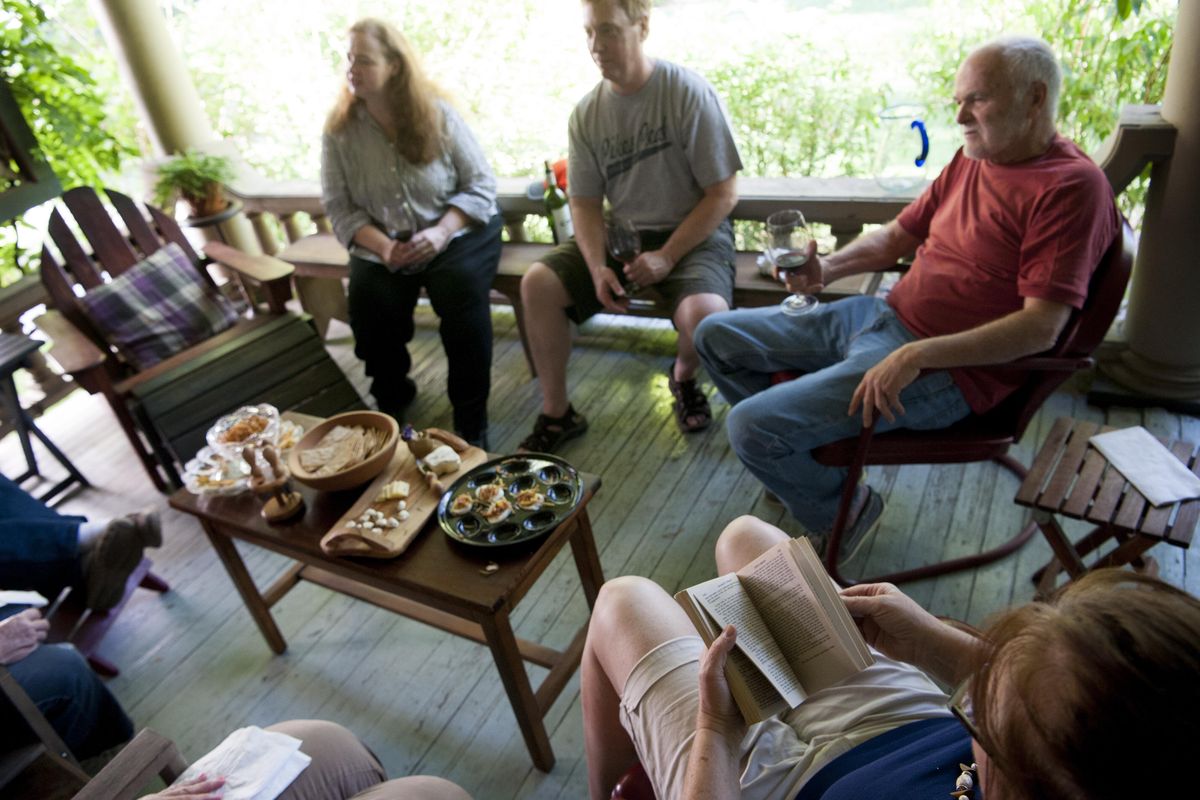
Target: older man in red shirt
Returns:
[[1006, 240]]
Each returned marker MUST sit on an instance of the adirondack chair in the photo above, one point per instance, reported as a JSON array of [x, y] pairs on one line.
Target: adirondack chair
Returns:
[[46, 761], [269, 355]]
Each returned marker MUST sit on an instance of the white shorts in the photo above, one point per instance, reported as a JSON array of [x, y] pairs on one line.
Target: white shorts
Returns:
[[778, 755]]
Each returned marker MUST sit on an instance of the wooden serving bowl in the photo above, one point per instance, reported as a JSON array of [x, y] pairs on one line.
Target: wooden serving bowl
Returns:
[[360, 473]]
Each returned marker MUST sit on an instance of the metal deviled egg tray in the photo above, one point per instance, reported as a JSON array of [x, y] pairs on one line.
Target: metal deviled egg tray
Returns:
[[549, 475]]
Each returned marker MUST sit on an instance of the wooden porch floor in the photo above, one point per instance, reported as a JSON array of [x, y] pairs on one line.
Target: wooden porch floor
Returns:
[[194, 666]]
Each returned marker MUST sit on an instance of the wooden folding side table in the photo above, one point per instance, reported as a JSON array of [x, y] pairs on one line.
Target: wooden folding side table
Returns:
[[15, 351], [1071, 478]]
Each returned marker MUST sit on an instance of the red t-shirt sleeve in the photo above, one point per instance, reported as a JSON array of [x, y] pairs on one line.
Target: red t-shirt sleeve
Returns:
[[1069, 229], [918, 215]]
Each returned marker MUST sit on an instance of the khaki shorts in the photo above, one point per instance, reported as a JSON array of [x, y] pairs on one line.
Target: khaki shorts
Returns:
[[778, 755], [707, 269]]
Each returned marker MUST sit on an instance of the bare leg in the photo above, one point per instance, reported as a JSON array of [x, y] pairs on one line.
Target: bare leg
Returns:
[[631, 617], [743, 540], [545, 300], [688, 314]]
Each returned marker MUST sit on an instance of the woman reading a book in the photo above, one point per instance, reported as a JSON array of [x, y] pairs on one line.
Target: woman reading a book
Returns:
[[1091, 694]]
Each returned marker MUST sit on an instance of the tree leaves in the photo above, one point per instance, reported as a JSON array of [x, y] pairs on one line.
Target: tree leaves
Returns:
[[59, 98]]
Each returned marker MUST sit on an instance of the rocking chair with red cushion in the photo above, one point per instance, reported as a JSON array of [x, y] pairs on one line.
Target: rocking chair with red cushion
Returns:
[[988, 436]]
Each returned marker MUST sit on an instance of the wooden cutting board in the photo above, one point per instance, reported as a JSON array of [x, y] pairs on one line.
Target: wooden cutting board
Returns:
[[421, 503]]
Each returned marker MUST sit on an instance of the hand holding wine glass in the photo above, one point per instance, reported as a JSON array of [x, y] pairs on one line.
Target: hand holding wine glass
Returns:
[[624, 244], [789, 248], [400, 224]]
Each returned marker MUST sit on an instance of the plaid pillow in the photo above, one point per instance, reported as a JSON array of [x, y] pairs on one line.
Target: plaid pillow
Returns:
[[157, 308]]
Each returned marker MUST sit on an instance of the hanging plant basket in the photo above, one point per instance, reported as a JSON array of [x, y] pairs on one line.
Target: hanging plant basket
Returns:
[[199, 178]]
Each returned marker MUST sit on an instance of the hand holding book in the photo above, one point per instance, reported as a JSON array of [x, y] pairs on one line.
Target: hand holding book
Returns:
[[894, 624], [718, 712], [794, 635]]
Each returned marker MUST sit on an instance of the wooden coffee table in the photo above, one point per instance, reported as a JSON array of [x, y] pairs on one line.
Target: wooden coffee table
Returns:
[[435, 581]]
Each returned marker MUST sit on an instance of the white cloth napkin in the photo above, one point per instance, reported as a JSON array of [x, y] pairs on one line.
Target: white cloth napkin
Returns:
[[1153, 469], [256, 764]]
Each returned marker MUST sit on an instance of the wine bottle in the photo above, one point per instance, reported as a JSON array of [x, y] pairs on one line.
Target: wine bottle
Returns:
[[557, 209]]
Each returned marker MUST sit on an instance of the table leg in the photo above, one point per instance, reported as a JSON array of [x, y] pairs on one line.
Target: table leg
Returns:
[[587, 560], [15, 411], [242, 581], [499, 634]]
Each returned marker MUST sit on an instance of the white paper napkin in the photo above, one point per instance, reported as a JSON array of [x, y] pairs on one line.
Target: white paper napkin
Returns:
[[17, 597], [256, 764], [1153, 469]]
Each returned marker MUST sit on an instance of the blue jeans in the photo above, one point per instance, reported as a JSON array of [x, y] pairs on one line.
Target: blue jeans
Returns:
[[39, 548], [71, 697], [774, 429]]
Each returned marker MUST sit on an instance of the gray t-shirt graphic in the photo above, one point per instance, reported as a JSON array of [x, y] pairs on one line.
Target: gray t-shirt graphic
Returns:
[[651, 153]]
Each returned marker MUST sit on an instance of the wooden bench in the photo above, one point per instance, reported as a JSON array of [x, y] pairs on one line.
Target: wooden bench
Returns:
[[322, 263]]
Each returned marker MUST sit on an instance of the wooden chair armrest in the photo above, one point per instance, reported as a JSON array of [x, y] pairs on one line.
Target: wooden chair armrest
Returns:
[[150, 754], [263, 269], [1047, 364], [272, 273], [73, 351], [1032, 363]]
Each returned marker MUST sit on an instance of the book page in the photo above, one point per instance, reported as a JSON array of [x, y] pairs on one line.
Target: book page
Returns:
[[831, 601], [764, 695], [793, 613], [727, 603]]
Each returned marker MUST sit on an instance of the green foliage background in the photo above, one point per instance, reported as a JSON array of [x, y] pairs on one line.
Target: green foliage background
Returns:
[[65, 107], [803, 81]]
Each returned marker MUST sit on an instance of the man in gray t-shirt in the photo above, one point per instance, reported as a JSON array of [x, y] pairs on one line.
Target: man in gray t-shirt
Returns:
[[652, 139]]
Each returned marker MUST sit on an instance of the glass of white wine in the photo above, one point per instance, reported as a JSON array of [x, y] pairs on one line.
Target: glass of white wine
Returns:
[[787, 243]]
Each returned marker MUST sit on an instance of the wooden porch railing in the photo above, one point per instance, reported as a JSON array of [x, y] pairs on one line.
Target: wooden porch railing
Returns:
[[845, 204]]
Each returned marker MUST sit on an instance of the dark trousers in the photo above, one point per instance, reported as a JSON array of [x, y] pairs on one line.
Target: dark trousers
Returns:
[[39, 548], [73, 700], [457, 282]]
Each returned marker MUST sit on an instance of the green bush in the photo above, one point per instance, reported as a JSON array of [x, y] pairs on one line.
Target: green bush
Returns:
[[64, 107], [1109, 60], [798, 111]]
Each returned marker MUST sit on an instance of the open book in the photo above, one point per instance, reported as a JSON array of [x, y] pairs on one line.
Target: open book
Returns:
[[794, 634]]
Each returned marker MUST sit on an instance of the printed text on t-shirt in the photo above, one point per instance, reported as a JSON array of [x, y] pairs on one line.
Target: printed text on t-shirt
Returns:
[[620, 153]]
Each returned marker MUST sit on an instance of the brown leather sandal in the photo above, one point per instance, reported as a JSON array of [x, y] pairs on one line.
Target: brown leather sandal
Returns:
[[690, 404], [550, 433]]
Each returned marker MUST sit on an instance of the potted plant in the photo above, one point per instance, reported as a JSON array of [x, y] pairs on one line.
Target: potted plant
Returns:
[[198, 177]]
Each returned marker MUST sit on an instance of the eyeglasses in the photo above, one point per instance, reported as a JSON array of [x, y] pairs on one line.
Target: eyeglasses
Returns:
[[960, 707]]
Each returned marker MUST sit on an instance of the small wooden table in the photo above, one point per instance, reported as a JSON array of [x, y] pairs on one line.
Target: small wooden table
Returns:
[[1071, 478], [434, 581]]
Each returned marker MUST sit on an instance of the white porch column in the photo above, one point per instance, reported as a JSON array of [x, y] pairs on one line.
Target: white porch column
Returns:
[[1162, 359], [166, 97]]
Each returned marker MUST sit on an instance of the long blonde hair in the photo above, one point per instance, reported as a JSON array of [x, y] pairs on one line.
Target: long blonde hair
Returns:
[[412, 96]]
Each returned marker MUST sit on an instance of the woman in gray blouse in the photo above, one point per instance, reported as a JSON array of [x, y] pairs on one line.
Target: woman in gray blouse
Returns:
[[411, 195]]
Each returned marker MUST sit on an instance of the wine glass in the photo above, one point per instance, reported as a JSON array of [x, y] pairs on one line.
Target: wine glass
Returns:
[[624, 244], [399, 221], [787, 244]]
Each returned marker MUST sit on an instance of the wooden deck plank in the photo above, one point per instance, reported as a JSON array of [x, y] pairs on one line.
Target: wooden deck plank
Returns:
[[195, 666]]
